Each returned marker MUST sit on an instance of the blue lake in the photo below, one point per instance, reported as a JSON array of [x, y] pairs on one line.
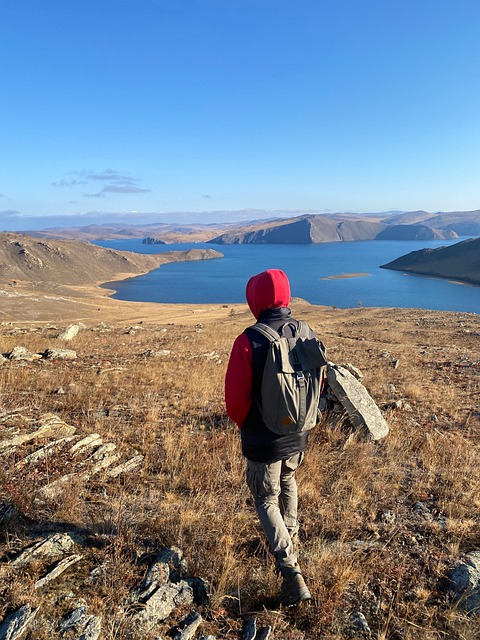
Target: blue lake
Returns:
[[308, 267]]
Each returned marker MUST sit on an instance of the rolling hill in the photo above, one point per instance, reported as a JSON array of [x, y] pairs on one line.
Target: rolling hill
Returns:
[[314, 229], [68, 262], [459, 261]]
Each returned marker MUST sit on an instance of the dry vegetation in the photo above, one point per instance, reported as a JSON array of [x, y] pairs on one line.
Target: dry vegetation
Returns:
[[190, 491]]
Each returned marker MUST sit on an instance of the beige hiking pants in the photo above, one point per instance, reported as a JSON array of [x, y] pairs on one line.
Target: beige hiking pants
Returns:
[[274, 491]]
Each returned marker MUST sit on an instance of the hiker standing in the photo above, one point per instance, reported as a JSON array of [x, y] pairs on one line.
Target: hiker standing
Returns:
[[272, 458]]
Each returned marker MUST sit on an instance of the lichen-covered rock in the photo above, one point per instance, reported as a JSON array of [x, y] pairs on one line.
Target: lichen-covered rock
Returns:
[[54, 546], [60, 354], [465, 581], [188, 627], [69, 332], [162, 602], [362, 411], [15, 625]]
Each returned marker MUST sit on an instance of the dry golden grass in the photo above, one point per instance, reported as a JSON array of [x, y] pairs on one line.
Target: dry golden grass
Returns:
[[190, 491]]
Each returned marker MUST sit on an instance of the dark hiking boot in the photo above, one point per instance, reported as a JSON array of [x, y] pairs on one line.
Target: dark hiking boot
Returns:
[[294, 590]]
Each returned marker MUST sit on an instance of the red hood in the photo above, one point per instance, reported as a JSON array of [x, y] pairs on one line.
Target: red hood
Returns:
[[268, 290]]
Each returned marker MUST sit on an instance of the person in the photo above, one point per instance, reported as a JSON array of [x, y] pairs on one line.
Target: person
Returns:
[[272, 459]]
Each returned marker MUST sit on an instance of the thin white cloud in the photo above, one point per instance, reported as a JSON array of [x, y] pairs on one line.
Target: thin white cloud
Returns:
[[71, 182], [115, 182]]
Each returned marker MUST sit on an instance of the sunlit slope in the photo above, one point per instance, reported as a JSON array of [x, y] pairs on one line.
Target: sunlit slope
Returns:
[[460, 261]]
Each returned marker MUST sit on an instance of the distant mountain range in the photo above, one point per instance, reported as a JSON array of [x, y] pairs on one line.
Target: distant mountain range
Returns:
[[460, 261], [308, 228], [346, 227]]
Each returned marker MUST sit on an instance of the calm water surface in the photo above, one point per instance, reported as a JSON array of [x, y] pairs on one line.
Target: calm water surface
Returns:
[[312, 270]]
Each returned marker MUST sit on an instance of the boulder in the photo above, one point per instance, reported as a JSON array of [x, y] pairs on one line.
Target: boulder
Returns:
[[21, 353], [53, 546], [15, 625], [69, 332], [362, 411], [465, 582], [85, 626], [160, 604], [62, 566], [60, 354], [188, 627]]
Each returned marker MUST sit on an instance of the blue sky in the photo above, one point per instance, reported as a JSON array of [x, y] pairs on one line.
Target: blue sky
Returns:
[[214, 105]]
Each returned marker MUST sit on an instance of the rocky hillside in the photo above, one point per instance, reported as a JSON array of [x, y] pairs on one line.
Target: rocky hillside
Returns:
[[464, 223], [124, 511], [414, 232], [460, 261], [23, 258], [313, 229]]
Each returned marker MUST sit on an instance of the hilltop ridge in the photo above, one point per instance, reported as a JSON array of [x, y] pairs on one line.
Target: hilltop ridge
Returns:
[[460, 261], [59, 278], [276, 226]]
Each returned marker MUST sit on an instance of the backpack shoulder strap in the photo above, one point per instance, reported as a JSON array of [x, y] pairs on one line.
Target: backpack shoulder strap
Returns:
[[266, 331], [303, 329]]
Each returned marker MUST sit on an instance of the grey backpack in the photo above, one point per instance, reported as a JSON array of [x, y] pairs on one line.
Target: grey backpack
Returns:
[[292, 379]]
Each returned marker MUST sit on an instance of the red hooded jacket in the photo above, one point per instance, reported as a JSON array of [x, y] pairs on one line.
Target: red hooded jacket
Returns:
[[267, 290]]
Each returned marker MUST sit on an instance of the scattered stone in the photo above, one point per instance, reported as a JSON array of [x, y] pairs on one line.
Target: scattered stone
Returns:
[[355, 399], [387, 517], [359, 622], [188, 627], [101, 452], [353, 370], [72, 619], [69, 332], [155, 354], [56, 488], [401, 404], [126, 467], [109, 369], [60, 391], [51, 426], [162, 602], [465, 581], [2, 359], [157, 575], [104, 463], [92, 628], [201, 590], [395, 363], [423, 510], [43, 452], [62, 566], [15, 625], [21, 353], [53, 546], [86, 627], [89, 442], [249, 629], [173, 558], [60, 354]]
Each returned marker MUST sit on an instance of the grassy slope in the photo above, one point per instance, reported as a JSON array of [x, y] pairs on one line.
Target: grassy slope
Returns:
[[191, 490], [460, 261]]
